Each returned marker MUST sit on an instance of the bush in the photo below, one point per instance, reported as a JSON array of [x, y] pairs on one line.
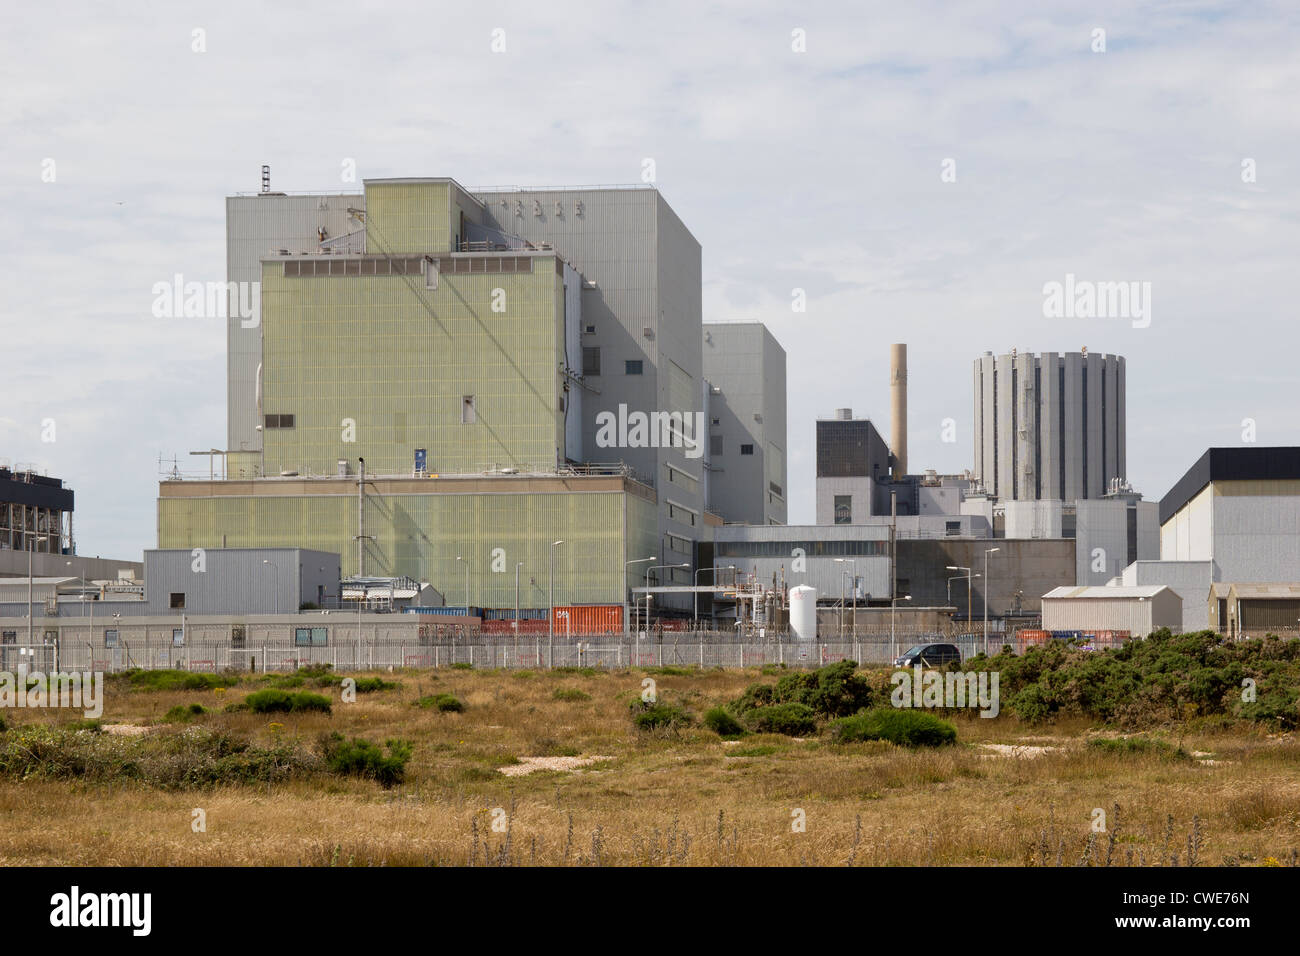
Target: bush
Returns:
[[1128, 746], [583, 671], [180, 714], [3, 725], [720, 721], [836, 690], [905, 727], [273, 701], [792, 719], [462, 666], [653, 715], [369, 685], [447, 703], [177, 680], [570, 694], [361, 758]]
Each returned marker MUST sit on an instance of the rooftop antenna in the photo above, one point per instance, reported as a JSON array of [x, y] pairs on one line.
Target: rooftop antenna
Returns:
[[266, 178]]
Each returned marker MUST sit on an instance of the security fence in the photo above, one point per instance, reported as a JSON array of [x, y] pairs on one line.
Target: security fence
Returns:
[[605, 651]]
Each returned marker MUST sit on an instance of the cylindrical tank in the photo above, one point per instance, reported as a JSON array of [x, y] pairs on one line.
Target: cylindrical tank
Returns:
[[803, 612]]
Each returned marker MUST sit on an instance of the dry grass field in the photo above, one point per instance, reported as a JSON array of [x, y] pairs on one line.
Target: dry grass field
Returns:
[[682, 797]]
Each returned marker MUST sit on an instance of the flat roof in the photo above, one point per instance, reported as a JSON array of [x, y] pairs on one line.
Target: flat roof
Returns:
[[1274, 463]]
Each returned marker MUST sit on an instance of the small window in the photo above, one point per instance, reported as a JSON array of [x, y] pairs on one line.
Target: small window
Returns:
[[9, 637], [590, 361], [178, 600], [310, 636], [717, 422], [715, 445], [468, 414], [278, 421], [844, 509], [178, 637], [237, 636], [632, 366], [952, 527], [747, 449], [110, 638]]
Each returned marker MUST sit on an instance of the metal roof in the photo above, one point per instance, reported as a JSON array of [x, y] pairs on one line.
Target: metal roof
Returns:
[[1260, 592], [1101, 592]]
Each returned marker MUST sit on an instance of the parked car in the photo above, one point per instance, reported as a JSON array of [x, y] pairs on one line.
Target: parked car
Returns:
[[929, 655]]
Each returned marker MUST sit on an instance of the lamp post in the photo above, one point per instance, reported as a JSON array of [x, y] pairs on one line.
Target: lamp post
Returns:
[[968, 578], [459, 558], [648, 572], [892, 602], [627, 624], [714, 569], [275, 582], [853, 564], [518, 565], [550, 614], [987, 552]]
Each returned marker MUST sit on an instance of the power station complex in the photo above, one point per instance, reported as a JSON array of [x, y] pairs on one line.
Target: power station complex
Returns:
[[505, 405]]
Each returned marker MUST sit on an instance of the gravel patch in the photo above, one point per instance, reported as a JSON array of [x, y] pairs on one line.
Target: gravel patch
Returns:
[[527, 765]]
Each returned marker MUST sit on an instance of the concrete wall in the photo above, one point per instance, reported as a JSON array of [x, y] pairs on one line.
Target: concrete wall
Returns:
[[860, 491], [14, 564], [239, 580], [747, 365], [1190, 579], [1030, 567]]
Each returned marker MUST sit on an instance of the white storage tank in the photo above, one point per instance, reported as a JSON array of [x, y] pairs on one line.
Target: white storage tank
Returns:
[[803, 612]]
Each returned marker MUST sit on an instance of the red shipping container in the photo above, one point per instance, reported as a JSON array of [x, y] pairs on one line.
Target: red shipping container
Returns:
[[585, 619]]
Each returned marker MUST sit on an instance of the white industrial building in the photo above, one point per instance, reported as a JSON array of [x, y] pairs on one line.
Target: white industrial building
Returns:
[[1137, 610]]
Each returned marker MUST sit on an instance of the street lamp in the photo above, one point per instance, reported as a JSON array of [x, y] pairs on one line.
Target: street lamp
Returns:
[[892, 601], [987, 552], [518, 565], [627, 564], [853, 563], [275, 582], [714, 569], [550, 615], [459, 558], [968, 577]]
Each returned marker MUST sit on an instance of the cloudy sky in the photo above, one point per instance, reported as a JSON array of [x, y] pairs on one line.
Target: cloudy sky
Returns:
[[921, 170]]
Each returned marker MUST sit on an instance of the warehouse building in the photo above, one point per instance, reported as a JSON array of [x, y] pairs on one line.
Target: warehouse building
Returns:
[[1050, 425], [1135, 611], [1255, 610]]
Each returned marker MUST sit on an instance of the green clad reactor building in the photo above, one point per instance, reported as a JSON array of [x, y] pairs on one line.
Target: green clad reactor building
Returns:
[[441, 384]]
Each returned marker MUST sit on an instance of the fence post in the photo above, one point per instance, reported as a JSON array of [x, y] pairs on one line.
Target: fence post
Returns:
[[701, 653]]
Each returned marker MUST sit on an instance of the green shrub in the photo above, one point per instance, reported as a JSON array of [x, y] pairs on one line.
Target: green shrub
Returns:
[[523, 675], [462, 666], [792, 719], [181, 714], [905, 727], [835, 690], [447, 703], [656, 715], [1127, 746], [369, 685], [177, 680], [570, 694], [720, 721], [272, 701], [583, 671], [3, 724], [361, 758]]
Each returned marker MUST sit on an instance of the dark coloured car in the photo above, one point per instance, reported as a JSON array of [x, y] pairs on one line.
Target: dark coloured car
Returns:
[[929, 655]]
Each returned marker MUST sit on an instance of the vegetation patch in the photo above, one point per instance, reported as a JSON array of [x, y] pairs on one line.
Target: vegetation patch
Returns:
[[362, 758], [447, 703], [905, 727], [792, 719], [658, 715], [183, 714], [721, 722], [571, 694], [273, 701], [1129, 746], [146, 680]]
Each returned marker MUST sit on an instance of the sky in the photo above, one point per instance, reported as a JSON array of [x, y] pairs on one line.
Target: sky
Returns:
[[921, 171]]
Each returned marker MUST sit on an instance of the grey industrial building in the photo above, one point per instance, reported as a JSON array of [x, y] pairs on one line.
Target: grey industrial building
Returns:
[[35, 513], [745, 460], [853, 465], [1050, 425]]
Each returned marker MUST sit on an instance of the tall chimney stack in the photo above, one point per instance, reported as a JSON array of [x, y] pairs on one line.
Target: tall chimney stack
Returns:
[[898, 406]]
